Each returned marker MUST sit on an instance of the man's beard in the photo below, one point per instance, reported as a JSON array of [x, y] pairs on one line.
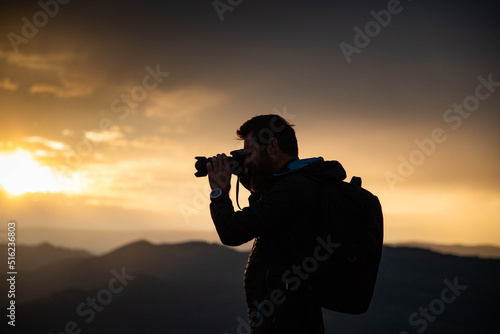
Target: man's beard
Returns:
[[260, 179]]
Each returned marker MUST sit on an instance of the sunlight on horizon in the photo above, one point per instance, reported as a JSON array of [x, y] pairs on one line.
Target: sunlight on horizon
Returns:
[[20, 173]]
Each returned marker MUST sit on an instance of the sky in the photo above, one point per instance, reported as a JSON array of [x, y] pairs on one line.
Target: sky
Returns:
[[105, 104]]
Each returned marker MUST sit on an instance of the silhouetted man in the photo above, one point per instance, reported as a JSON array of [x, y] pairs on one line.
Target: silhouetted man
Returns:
[[283, 218]]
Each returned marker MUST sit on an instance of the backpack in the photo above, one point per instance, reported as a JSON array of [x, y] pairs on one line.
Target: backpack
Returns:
[[352, 217]]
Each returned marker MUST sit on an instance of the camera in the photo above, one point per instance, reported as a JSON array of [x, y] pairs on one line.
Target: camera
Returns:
[[236, 164]]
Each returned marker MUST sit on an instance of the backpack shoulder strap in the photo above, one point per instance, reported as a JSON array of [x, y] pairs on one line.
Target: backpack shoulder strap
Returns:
[[356, 181]]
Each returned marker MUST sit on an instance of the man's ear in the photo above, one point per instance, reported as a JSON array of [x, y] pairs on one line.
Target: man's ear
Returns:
[[273, 147]]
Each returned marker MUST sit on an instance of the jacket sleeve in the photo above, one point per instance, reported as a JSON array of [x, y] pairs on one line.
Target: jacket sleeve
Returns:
[[272, 212]]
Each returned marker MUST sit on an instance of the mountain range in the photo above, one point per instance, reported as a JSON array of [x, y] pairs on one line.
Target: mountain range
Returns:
[[197, 287], [482, 251]]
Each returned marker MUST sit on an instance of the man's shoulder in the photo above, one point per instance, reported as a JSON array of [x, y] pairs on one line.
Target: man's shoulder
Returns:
[[293, 182], [310, 169]]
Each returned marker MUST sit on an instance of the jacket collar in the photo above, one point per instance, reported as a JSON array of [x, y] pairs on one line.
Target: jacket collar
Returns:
[[295, 164]]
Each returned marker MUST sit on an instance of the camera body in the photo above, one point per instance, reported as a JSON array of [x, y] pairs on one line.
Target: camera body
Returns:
[[236, 164]]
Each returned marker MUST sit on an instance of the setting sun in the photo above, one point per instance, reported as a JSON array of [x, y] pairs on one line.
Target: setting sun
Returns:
[[20, 173]]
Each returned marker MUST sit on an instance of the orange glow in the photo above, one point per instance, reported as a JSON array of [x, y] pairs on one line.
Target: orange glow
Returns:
[[20, 173]]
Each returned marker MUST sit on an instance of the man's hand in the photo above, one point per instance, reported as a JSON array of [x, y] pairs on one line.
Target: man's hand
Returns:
[[219, 175]]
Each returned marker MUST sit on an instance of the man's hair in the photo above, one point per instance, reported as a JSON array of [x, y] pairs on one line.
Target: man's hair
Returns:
[[265, 127]]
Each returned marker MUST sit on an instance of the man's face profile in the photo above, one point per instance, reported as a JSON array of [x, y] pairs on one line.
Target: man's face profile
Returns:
[[258, 162]]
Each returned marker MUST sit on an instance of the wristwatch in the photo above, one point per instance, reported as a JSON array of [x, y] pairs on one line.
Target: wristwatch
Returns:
[[215, 193]]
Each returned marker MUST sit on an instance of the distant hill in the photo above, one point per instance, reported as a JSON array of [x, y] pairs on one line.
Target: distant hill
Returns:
[[180, 262], [176, 289], [483, 251], [197, 287], [33, 257], [100, 242]]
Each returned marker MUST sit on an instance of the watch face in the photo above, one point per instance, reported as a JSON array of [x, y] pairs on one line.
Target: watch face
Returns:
[[215, 193]]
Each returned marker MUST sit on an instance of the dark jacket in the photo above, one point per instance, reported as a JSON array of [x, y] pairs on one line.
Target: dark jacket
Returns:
[[284, 223]]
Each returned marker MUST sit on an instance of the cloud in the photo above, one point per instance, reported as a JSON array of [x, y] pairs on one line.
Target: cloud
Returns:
[[69, 89], [8, 85], [182, 103], [152, 183], [71, 79], [51, 62], [54, 145], [120, 136], [151, 143], [112, 136], [48, 150]]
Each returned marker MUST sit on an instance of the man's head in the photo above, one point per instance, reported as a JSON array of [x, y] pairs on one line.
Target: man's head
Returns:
[[269, 142]]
